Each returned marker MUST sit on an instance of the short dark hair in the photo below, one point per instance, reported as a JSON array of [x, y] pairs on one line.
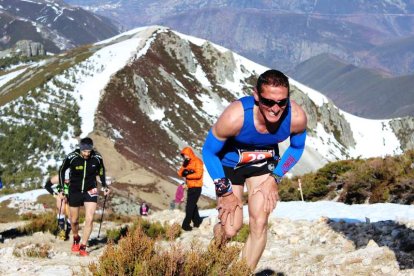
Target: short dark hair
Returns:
[[272, 77], [86, 144], [86, 140]]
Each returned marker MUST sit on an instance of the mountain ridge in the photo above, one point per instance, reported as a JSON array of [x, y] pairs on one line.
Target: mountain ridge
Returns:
[[153, 90], [347, 29], [283, 34], [54, 24], [353, 89]]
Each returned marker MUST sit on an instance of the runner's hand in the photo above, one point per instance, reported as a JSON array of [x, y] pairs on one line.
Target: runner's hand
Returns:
[[227, 206], [270, 192], [107, 191], [61, 196]]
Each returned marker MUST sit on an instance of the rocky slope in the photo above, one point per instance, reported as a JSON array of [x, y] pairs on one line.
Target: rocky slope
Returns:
[[319, 247], [284, 34]]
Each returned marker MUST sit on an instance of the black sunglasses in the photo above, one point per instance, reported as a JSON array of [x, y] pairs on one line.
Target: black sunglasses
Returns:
[[270, 103]]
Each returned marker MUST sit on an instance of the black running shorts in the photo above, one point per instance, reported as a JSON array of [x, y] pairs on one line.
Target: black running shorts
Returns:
[[238, 176], [76, 199]]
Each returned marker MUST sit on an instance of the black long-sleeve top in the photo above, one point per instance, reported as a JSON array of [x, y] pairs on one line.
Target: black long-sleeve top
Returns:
[[83, 172]]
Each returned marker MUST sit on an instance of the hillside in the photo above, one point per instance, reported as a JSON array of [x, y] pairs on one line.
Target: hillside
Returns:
[[393, 56], [354, 89], [373, 180], [149, 92], [284, 33], [54, 24], [366, 35]]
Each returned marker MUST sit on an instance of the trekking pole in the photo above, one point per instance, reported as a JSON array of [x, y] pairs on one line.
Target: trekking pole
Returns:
[[300, 189], [103, 210], [60, 212]]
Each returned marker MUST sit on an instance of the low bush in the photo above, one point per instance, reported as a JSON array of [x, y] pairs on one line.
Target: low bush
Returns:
[[242, 234], [358, 181], [32, 250], [44, 223], [114, 235], [7, 214], [154, 230], [138, 254]]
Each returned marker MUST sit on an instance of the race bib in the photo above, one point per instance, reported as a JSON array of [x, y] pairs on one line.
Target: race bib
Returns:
[[93, 192], [247, 157]]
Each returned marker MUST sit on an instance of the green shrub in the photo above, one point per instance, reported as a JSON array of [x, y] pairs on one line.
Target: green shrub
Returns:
[[314, 187], [7, 214], [32, 250], [44, 223], [380, 193], [242, 234], [154, 230], [137, 254], [114, 235], [6, 62], [356, 181]]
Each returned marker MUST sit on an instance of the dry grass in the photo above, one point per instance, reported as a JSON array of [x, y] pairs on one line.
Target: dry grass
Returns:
[[47, 200], [7, 214], [138, 254], [44, 223], [32, 250]]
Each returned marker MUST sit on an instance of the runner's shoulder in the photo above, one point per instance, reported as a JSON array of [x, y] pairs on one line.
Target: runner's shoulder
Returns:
[[299, 118], [73, 155], [97, 155]]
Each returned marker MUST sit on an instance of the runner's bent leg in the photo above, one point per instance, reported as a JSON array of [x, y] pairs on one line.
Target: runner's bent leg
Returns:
[[231, 230], [60, 213], [74, 218], [60, 217], [68, 224], [258, 220], [90, 208]]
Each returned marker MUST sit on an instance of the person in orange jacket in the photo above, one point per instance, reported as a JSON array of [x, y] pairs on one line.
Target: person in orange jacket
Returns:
[[192, 169]]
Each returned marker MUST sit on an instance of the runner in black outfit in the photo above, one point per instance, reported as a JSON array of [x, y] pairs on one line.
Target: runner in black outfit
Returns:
[[85, 164]]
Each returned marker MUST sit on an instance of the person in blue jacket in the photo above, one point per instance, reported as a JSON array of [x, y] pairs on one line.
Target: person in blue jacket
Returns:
[[242, 148]]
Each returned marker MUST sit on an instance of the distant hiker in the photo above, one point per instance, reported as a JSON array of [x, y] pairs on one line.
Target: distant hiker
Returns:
[[192, 169], [62, 207], [179, 195], [144, 209], [85, 164], [242, 147], [1, 183]]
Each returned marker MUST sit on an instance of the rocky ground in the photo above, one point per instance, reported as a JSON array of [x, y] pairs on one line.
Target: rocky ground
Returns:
[[319, 247], [325, 247]]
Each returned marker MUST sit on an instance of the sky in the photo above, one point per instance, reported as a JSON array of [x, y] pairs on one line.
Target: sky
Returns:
[[298, 210]]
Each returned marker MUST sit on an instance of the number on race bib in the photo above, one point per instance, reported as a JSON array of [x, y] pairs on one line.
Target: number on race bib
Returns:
[[251, 157], [93, 192]]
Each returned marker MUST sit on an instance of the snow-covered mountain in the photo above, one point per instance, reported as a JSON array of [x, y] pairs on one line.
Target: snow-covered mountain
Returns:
[[53, 23], [284, 33], [152, 91]]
